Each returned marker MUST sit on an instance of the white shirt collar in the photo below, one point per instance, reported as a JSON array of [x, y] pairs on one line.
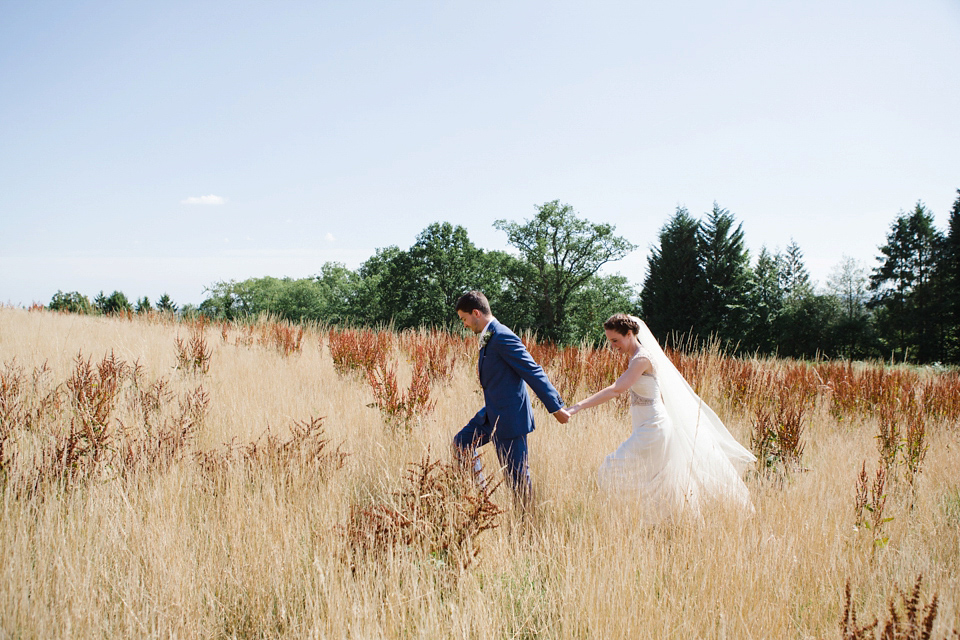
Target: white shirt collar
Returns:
[[485, 327]]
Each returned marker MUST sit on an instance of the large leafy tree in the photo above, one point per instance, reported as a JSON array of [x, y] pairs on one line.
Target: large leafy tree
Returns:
[[726, 275], [337, 287], [438, 268], [907, 291], [597, 300], [562, 253], [673, 289], [420, 286], [373, 301], [294, 299], [73, 302]]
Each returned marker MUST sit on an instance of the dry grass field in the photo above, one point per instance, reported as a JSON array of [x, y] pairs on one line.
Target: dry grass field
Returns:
[[162, 479]]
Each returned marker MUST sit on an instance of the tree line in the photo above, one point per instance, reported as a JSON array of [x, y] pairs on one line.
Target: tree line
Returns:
[[700, 285]]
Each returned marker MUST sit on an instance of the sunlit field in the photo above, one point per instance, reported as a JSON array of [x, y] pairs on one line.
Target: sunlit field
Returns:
[[165, 479]]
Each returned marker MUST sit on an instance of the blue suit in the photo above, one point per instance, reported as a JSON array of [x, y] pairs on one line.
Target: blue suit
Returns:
[[505, 369]]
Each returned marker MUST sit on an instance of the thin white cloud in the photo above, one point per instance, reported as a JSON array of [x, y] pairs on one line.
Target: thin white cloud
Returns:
[[211, 199], [329, 237]]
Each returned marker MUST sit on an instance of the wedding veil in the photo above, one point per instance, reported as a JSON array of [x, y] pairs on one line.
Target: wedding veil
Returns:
[[712, 457]]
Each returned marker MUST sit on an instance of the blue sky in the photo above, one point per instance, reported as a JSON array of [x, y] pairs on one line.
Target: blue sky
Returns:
[[161, 147]]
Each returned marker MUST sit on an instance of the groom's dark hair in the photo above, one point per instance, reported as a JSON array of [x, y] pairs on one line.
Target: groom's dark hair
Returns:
[[473, 300]]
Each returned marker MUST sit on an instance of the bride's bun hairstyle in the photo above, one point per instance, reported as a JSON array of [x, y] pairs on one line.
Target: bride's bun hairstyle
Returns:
[[621, 323]]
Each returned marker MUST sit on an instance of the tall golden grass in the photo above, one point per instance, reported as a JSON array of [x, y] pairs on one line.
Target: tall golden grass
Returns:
[[251, 481]]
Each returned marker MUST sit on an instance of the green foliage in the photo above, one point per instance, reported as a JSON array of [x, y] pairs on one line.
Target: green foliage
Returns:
[[727, 277], [699, 281], [908, 289], [600, 298], [766, 301], [562, 253], [794, 279], [143, 305], [420, 287], [165, 304], [327, 297], [113, 304], [673, 290], [855, 333], [951, 282], [805, 327], [72, 302]]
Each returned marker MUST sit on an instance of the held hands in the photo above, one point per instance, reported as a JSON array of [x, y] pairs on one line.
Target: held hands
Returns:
[[562, 416]]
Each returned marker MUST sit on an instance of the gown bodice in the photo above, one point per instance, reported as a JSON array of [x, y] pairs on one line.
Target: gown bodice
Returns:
[[646, 390]]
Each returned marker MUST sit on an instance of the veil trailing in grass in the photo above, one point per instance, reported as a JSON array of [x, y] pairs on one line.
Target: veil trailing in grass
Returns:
[[703, 460]]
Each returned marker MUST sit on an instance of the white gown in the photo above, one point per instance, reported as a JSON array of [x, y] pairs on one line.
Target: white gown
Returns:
[[673, 470]]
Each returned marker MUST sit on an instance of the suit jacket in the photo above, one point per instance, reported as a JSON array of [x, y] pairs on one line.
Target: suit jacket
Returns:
[[506, 368]]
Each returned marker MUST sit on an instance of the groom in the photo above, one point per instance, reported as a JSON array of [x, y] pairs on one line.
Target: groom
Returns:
[[505, 369]]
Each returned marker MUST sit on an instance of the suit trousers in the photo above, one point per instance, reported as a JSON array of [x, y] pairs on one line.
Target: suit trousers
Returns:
[[511, 452]]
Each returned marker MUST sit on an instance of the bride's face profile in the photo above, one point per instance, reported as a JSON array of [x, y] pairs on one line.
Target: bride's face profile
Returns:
[[620, 342]]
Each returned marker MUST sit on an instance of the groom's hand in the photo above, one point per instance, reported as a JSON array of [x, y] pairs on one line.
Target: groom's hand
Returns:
[[562, 416]]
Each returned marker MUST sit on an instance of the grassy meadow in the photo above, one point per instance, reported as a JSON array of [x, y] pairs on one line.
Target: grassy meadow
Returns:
[[164, 479]]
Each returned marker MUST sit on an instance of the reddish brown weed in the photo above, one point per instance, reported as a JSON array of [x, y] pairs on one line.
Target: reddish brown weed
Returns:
[[438, 511], [911, 620], [401, 407], [193, 355]]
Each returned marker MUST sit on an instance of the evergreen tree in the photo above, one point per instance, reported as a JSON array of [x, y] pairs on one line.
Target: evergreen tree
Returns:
[[726, 275], [807, 327], [907, 290], [165, 304], [766, 300], [115, 303], [794, 279], [951, 282], [673, 289], [143, 305]]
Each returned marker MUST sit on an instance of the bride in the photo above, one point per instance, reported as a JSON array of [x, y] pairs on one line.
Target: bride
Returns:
[[679, 454]]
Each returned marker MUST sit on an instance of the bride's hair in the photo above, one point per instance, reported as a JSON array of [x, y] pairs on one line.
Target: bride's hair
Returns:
[[621, 323]]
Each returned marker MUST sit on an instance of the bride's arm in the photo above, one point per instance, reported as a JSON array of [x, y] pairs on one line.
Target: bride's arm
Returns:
[[636, 368]]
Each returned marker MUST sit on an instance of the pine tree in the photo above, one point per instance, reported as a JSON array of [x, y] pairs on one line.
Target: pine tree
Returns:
[[794, 279], [165, 303], [673, 289], [727, 276], [951, 282], [907, 288], [766, 300]]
